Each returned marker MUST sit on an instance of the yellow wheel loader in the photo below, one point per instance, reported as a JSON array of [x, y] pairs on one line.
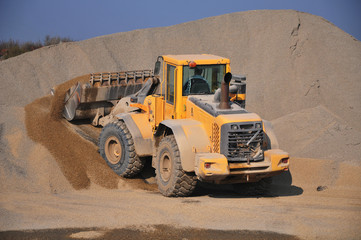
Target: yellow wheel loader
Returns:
[[188, 115]]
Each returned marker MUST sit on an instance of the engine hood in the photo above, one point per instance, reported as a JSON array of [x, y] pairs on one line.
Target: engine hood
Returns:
[[232, 118]]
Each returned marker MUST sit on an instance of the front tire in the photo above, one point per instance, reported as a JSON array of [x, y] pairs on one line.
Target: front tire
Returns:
[[116, 146], [172, 180]]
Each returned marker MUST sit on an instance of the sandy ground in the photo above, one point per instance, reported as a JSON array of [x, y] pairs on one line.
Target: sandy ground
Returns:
[[297, 209], [303, 74], [147, 232]]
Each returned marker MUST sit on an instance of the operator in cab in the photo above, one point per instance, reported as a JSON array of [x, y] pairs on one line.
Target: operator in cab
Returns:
[[196, 84]]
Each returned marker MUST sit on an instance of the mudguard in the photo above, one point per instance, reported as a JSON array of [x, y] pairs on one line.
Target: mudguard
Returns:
[[270, 136], [190, 136], [141, 131]]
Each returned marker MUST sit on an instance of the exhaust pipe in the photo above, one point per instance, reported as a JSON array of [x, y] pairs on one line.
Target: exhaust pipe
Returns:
[[224, 104]]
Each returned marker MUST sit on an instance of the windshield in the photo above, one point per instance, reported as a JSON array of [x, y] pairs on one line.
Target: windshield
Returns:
[[202, 79]]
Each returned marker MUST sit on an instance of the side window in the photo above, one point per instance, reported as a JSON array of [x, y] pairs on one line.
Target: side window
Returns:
[[170, 84]]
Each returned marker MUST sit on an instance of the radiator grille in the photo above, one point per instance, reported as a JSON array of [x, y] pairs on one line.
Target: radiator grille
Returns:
[[242, 143], [237, 147]]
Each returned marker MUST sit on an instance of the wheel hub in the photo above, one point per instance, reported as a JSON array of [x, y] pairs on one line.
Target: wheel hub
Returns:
[[113, 150], [165, 167]]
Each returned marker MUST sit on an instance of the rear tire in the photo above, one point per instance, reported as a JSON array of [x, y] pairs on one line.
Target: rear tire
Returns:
[[172, 180], [116, 146]]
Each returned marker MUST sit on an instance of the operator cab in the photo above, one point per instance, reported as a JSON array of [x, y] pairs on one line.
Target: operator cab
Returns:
[[199, 74], [184, 75]]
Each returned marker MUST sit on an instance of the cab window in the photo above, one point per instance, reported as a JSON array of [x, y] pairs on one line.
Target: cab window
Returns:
[[170, 84], [196, 79]]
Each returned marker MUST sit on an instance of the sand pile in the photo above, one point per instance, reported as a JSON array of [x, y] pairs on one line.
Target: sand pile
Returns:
[[303, 73], [70, 151], [78, 159]]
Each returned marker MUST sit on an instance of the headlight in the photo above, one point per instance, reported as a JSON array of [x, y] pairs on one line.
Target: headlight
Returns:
[[258, 125], [234, 127]]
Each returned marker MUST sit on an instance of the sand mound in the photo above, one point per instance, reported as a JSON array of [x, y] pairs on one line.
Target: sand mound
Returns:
[[303, 73], [78, 159], [317, 133], [69, 150], [26, 166]]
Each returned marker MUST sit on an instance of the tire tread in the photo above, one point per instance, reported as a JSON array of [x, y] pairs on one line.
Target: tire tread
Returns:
[[183, 183], [134, 163]]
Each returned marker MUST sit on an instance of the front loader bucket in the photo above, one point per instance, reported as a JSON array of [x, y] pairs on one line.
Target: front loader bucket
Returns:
[[98, 96], [72, 101]]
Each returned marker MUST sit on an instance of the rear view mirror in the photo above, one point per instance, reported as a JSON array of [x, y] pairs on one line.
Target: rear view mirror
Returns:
[[157, 66], [227, 77]]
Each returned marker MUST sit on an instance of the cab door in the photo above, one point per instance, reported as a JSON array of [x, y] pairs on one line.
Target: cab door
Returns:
[[169, 98]]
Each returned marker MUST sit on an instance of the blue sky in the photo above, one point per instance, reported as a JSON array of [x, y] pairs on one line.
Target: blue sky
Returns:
[[32, 20]]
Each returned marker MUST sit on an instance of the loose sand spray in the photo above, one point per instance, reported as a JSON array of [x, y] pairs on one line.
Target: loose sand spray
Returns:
[[77, 158]]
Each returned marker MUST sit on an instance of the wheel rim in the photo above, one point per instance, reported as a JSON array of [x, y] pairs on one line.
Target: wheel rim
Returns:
[[113, 150], [165, 167]]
